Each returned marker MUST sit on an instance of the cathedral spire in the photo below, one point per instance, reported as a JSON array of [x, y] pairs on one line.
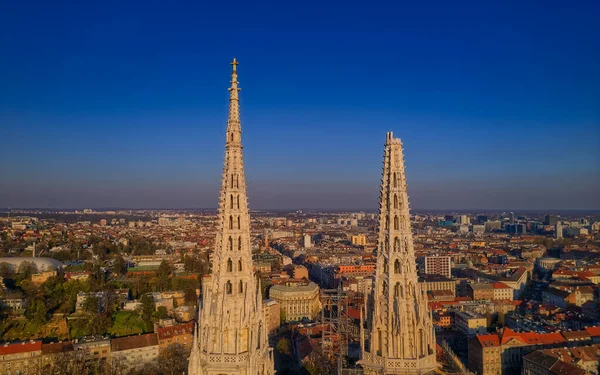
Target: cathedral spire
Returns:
[[402, 339], [228, 326], [234, 129]]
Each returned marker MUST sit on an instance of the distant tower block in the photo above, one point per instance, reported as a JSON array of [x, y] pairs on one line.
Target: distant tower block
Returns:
[[231, 336], [559, 230], [306, 241], [401, 334]]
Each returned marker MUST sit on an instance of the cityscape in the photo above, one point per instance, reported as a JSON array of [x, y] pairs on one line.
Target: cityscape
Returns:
[[238, 289]]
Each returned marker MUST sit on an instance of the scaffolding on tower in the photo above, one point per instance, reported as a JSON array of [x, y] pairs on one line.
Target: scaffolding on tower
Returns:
[[334, 317]]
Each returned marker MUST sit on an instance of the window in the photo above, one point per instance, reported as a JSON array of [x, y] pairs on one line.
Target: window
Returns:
[[229, 265], [395, 201], [241, 287], [238, 202], [239, 265], [395, 182], [231, 201], [230, 243], [396, 244], [239, 223], [397, 266], [396, 223], [240, 243], [230, 222], [228, 287]]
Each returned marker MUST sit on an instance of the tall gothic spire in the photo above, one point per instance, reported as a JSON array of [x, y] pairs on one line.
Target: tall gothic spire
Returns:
[[401, 335], [232, 333]]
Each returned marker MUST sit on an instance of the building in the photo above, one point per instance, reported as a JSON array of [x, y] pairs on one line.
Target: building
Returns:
[[21, 357], [402, 336], [96, 349], [300, 272], [232, 330], [438, 265], [479, 291], [437, 282], [559, 230], [42, 277], [297, 300], [359, 240], [41, 264], [272, 315], [134, 352], [502, 353], [502, 291], [542, 362], [307, 241], [52, 351], [470, 323], [181, 334]]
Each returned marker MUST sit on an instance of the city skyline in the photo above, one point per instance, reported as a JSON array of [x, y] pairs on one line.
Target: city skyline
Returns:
[[125, 113]]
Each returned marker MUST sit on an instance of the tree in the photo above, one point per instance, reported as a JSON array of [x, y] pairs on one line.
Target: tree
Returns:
[[190, 297], [161, 312], [173, 360], [119, 265], [26, 269], [283, 345], [6, 270], [163, 273], [147, 309], [39, 312], [91, 304]]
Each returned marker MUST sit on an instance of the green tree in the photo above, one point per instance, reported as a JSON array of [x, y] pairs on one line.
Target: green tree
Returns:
[[119, 265], [163, 273], [161, 312], [147, 309], [6, 270], [39, 312], [91, 304], [26, 269], [283, 345]]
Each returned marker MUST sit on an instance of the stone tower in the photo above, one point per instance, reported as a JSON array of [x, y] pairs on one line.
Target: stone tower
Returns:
[[401, 336], [231, 335]]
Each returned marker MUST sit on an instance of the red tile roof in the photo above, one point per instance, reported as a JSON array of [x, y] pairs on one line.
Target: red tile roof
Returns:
[[178, 330], [593, 331], [488, 340], [20, 347]]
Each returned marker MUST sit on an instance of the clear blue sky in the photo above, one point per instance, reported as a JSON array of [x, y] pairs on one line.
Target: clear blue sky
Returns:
[[125, 105]]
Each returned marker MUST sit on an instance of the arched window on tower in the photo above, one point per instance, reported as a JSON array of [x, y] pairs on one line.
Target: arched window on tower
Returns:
[[232, 181], [238, 202], [237, 181], [395, 181], [230, 222], [230, 243], [384, 288], [241, 286], [231, 201], [396, 244], [231, 138], [239, 223], [239, 243], [395, 201], [385, 265], [229, 265], [228, 287], [396, 223], [397, 290], [239, 265], [397, 266]]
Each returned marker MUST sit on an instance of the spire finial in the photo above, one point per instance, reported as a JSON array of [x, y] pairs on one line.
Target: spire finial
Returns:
[[234, 82]]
